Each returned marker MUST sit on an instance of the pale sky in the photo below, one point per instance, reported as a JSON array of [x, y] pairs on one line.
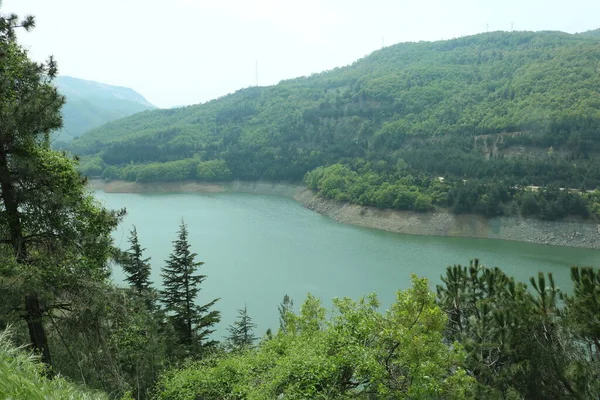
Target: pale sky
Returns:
[[179, 52]]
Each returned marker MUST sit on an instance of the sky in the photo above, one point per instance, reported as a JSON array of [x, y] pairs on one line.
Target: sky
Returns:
[[180, 52]]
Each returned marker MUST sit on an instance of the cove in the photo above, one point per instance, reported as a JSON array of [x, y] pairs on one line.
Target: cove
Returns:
[[257, 248]]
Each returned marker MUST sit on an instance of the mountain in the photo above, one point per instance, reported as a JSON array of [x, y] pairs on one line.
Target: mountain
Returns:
[[91, 104], [514, 108]]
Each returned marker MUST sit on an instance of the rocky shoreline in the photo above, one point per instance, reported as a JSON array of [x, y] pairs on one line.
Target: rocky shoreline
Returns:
[[572, 233]]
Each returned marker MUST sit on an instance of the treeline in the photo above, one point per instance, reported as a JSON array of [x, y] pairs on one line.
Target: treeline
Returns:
[[172, 171], [372, 185]]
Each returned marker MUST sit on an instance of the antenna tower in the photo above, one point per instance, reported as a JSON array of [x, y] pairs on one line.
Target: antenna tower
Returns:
[[256, 72]]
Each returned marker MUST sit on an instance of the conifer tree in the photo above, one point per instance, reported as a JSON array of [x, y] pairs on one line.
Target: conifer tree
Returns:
[[192, 323], [286, 307], [136, 267], [53, 234], [241, 335]]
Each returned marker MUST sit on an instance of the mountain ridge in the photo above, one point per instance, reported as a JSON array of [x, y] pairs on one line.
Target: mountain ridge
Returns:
[[90, 104], [518, 107]]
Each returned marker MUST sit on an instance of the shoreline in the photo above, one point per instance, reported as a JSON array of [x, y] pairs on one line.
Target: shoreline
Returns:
[[260, 187], [570, 233]]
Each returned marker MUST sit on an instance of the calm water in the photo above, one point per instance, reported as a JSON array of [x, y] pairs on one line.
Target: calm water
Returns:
[[258, 248]]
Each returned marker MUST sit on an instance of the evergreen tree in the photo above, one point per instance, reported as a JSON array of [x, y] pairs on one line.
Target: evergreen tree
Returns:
[[241, 335], [192, 323], [53, 234], [135, 266], [285, 309]]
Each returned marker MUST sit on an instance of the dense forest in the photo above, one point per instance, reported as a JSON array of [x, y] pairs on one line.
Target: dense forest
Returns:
[[68, 332], [503, 111]]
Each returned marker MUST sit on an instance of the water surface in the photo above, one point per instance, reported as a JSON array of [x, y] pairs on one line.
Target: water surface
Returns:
[[257, 248]]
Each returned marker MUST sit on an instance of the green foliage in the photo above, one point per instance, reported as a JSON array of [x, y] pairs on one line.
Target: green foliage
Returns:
[[92, 166], [581, 315], [213, 170], [357, 353], [507, 109], [53, 233], [167, 172], [23, 377], [517, 339], [137, 268], [110, 339], [593, 199], [286, 310], [370, 185], [241, 335], [192, 323]]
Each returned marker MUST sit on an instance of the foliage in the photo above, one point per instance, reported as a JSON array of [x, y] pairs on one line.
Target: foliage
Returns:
[[137, 268], [286, 310], [517, 339], [22, 376], [357, 353], [110, 340], [57, 233], [499, 109], [366, 186], [192, 323], [241, 335], [581, 317]]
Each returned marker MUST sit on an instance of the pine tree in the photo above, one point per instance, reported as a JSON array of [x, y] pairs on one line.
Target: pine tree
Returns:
[[241, 334], [135, 266], [192, 324], [285, 308], [53, 234]]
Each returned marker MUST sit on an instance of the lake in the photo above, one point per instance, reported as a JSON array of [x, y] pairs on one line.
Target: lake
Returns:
[[257, 248]]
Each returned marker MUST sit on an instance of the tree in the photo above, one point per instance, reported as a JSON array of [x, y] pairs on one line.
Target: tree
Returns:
[[57, 233], [513, 336], [241, 335], [285, 309], [192, 324], [358, 353], [135, 266]]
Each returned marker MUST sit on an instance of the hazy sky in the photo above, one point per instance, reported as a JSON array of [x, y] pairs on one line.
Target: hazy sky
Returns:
[[177, 52]]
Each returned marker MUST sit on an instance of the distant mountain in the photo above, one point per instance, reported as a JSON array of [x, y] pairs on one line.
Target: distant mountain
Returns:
[[91, 104]]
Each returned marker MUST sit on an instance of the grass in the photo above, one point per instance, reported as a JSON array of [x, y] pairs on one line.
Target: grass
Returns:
[[22, 377]]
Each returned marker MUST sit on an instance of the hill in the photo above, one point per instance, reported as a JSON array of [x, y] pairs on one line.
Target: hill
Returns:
[[500, 110], [91, 104]]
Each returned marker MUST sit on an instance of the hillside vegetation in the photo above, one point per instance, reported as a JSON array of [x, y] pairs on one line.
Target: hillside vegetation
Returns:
[[91, 104], [483, 335], [23, 377], [501, 110]]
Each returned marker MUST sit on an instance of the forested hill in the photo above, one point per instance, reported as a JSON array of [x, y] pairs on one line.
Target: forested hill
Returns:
[[91, 104], [522, 107]]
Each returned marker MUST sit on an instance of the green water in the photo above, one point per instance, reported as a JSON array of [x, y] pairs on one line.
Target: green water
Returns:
[[258, 248]]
